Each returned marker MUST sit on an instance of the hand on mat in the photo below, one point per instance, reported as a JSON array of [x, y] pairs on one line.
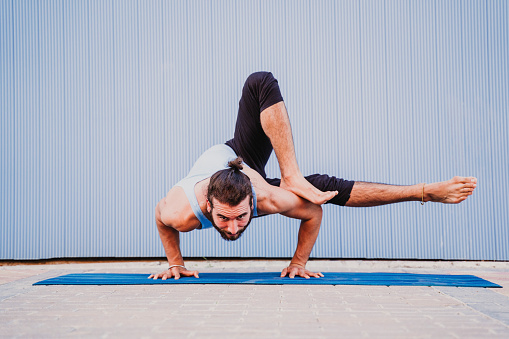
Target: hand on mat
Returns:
[[301, 187], [174, 272], [294, 270]]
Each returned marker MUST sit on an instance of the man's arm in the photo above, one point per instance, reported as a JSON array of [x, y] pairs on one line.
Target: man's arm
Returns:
[[170, 237], [278, 200], [311, 219], [276, 125]]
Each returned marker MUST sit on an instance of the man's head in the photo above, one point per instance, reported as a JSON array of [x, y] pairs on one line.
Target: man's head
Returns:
[[230, 201]]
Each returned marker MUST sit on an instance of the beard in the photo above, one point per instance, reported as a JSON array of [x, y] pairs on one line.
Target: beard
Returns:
[[227, 236]]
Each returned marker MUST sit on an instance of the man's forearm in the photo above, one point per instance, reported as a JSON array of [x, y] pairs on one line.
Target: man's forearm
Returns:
[[170, 238], [290, 205], [308, 232]]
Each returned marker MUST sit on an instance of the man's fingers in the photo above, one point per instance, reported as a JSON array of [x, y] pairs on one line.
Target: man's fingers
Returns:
[[316, 275], [187, 273], [175, 273], [293, 271], [164, 275], [300, 272]]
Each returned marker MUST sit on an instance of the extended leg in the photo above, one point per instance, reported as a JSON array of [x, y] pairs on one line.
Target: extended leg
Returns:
[[453, 191]]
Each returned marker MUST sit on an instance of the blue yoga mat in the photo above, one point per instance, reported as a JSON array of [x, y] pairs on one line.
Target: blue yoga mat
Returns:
[[273, 278]]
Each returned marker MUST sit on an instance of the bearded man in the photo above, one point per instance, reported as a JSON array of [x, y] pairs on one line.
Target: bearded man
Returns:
[[227, 186]]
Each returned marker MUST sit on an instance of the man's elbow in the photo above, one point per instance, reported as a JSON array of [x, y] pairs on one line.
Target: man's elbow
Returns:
[[168, 219], [164, 216], [316, 211]]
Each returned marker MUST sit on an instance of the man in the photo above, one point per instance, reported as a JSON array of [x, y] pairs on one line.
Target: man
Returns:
[[228, 186]]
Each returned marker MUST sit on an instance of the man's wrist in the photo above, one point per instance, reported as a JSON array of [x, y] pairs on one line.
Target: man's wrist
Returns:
[[171, 266], [297, 264]]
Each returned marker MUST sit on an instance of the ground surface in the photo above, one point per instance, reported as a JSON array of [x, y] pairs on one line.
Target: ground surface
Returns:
[[253, 311]]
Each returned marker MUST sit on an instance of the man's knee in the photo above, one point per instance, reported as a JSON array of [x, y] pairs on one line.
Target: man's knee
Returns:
[[264, 88], [255, 80], [255, 83]]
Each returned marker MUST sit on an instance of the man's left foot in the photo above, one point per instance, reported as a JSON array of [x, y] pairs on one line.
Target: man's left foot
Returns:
[[303, 188], [451, 191]]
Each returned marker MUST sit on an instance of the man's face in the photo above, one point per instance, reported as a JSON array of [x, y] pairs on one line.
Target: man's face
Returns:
[[230, 221]]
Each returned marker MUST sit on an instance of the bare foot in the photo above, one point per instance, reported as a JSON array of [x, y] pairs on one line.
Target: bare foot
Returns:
[[451, 191], [301, 187]]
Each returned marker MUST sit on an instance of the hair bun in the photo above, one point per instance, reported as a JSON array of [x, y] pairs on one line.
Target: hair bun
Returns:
[[236, 164]]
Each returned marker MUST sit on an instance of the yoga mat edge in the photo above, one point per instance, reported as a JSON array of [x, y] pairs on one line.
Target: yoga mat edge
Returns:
[[273, 278]]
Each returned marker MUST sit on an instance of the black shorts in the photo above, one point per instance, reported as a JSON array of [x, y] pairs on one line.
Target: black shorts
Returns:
[[250, 142]]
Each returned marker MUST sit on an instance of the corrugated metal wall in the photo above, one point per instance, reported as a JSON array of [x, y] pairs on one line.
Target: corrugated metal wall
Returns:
[[106, 104]]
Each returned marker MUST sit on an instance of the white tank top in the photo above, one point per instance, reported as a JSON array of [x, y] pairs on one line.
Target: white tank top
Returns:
[[212, 160]]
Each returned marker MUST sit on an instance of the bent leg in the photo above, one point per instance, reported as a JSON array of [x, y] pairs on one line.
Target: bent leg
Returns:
[[454, 191], [276, 125], [250, 142], [263, 125]]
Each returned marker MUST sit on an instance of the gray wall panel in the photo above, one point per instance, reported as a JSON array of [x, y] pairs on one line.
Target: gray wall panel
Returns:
[[6, 128], [105, 105]]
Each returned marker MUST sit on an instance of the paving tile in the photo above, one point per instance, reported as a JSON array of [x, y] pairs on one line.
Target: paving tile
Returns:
[[230, 311]]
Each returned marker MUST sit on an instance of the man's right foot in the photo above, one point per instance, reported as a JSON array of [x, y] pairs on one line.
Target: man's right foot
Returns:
[[451, 191]]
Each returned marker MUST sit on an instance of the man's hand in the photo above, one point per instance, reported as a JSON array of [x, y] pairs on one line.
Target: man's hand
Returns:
[[299, 271], [174, 272], [301, 187]]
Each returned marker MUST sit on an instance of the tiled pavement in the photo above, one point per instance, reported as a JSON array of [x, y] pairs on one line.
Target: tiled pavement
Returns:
[[249, 311]]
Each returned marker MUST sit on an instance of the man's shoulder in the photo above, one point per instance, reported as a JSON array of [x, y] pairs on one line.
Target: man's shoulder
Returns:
[[266, 194], [176, 212]]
